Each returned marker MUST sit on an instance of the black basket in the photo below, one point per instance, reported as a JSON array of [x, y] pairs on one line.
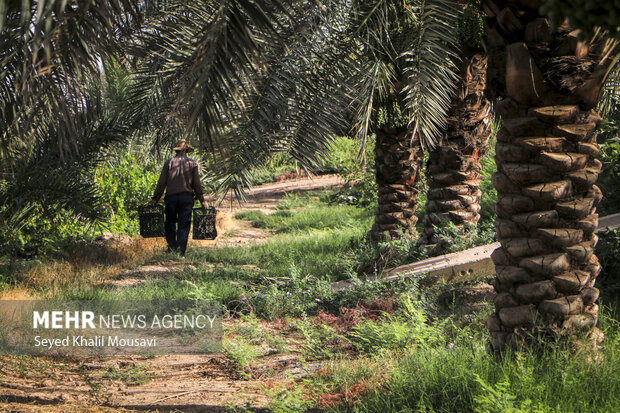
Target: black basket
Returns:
[[152, 221], [204, 223]]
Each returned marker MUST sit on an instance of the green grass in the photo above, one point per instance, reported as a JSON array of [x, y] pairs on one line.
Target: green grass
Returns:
[[325, 254], [469, 379], [465, 377], [311, 217], [428, 355], [290, 274], [131, 376]]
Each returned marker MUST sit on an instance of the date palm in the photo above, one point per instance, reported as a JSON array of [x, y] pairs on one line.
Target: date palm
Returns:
[[454, 165], [56, 118], [549, 81], [403, 96], [53, 120]]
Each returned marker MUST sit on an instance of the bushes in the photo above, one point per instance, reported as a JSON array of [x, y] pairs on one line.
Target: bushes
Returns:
[[122, 183], [126, 182]]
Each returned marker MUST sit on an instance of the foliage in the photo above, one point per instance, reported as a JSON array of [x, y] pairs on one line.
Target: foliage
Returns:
[[55, 188], [319, 338], [131, 376], [453, 239], [396, 82], [42, 232], [121, 184], [470, 25], [240, 352], [49, 52], [342, 158], [489, 193], [127, 182], [465, 377], [498, 399], [360, 192], [394, 332], [311, 217], [277, 165], [56, 115], [391, 115], [360, 186]]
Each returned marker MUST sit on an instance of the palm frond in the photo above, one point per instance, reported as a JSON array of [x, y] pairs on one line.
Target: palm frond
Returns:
[[428, 65], [297, 104], [372, 83], [46, 49]]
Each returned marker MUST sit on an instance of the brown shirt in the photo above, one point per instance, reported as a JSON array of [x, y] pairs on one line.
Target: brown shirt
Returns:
[[179, 175]]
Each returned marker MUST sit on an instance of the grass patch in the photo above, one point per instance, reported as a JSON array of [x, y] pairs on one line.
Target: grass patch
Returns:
[[324, 254], [313, 217], [464, 377], [131, 376]]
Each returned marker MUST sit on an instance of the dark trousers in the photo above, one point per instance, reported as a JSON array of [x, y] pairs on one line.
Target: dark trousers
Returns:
[[178, 211]]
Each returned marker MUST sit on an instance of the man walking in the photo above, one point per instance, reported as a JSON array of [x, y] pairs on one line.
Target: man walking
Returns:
[[180, 178]]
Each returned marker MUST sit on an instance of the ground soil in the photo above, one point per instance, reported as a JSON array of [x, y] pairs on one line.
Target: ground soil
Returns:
[[187, 383]]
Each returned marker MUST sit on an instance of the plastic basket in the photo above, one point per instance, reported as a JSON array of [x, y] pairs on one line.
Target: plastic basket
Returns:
[[151, 221], [204, 223]]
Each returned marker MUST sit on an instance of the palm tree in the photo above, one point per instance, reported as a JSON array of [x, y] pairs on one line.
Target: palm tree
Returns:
[[53, 122], [454, 166], [403, 95], [197, 62], [550, 81]]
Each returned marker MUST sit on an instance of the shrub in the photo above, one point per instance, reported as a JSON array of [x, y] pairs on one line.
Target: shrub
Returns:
[[127, 181]]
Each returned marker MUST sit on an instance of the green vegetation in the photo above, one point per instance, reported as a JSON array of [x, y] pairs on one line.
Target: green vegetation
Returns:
[[127, 181], [466, 378], [132, 375], [401, 345], [609, 180], [82, 143]]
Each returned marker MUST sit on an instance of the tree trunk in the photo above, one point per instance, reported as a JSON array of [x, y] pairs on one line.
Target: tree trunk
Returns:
[[454, 165], [398, 162], [547, 168]]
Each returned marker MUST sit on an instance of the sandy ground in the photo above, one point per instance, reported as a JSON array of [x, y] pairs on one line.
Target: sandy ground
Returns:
[[187, 383]]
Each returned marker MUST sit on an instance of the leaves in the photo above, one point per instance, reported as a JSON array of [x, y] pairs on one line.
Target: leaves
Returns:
[[430, 76]]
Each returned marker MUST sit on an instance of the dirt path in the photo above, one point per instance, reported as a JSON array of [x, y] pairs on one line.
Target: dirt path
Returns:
[[174, 383], [263, 198], [186, 383]]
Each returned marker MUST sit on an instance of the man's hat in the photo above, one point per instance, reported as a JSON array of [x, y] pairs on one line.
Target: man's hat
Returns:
[[183, 146]]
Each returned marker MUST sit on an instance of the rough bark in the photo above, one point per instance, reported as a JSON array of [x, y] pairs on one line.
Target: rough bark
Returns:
[[547, 168], [454, 165], [398, 162]]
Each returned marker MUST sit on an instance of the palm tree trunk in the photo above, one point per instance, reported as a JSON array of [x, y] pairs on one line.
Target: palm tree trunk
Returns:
[[454, 165], [398, 162], [547, 168]]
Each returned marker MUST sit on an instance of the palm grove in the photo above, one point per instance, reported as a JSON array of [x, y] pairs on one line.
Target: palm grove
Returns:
[[249, 79]]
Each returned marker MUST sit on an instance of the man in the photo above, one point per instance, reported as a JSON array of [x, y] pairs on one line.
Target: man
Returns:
[[180, 178]]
